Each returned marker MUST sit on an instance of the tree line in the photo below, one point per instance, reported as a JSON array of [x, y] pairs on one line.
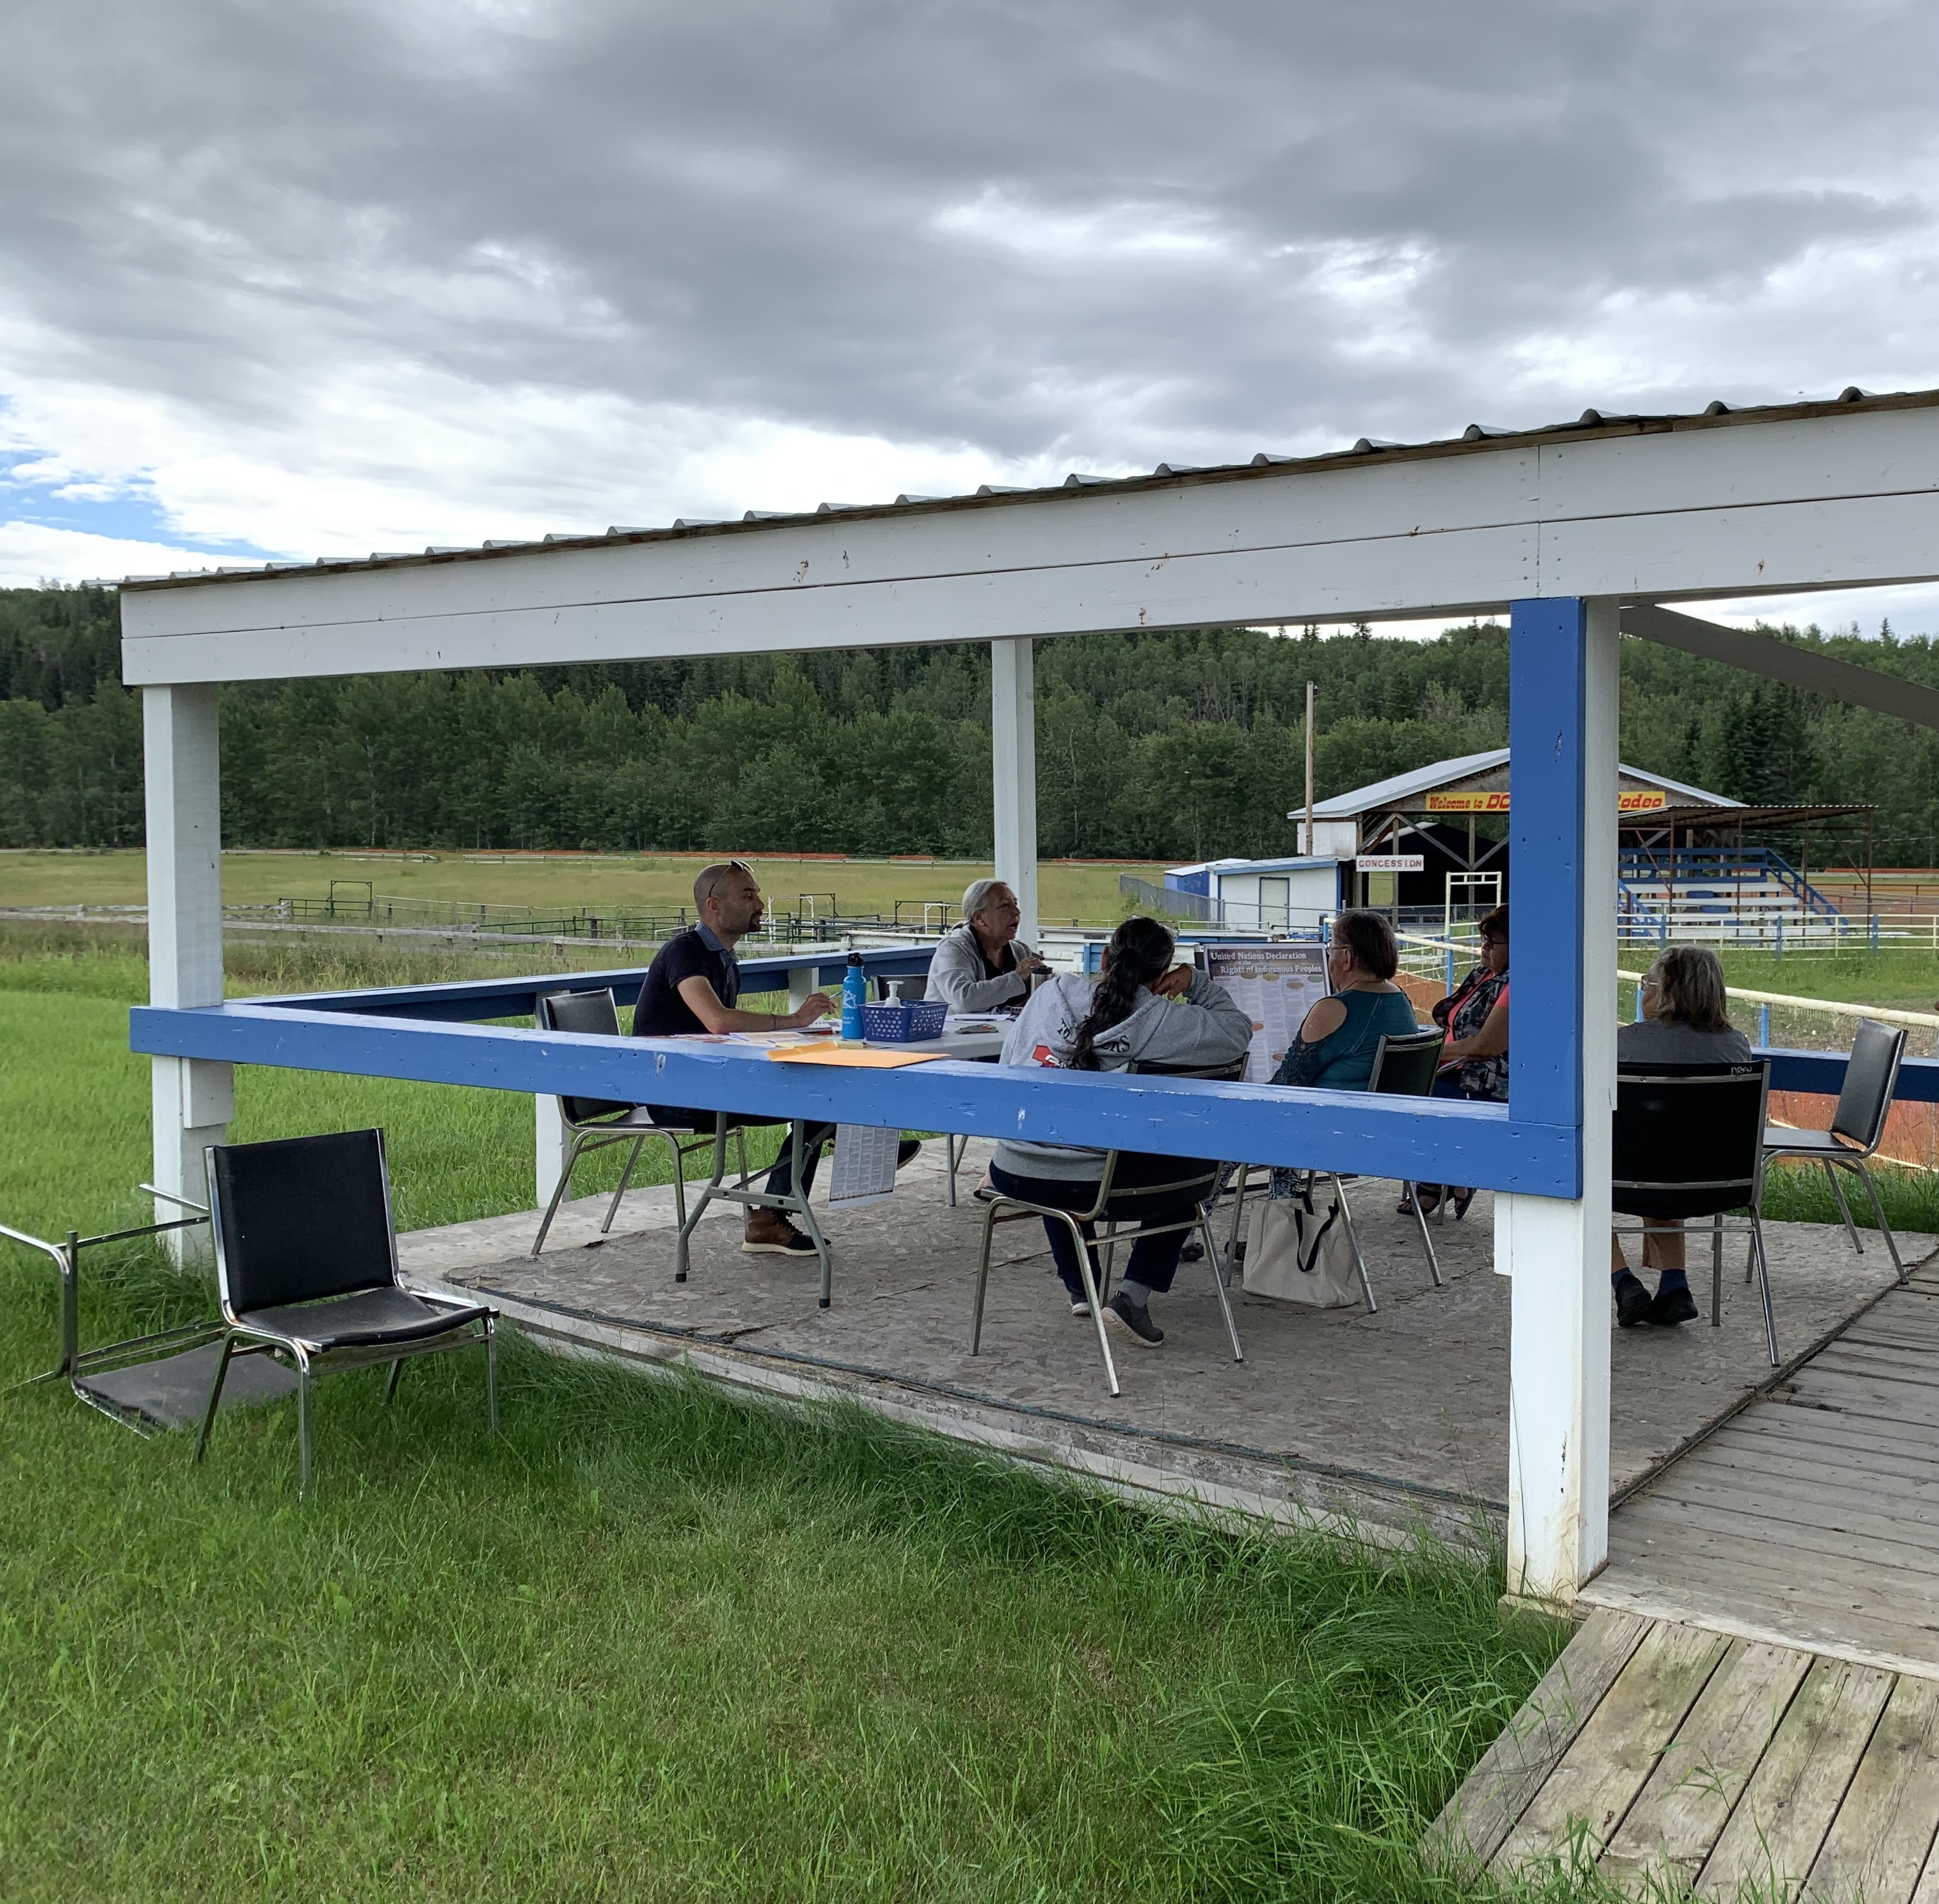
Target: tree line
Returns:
[[1183, 745]]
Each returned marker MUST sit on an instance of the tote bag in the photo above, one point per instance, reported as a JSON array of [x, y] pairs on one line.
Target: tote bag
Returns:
[[1299, 1251]]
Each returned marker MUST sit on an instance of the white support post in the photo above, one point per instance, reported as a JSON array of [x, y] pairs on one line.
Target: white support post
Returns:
[[193, 1099], [550, 1148], [1013, 767], [1557, 1252]]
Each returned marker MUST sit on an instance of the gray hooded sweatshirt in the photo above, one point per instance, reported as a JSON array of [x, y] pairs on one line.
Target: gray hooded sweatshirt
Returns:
[[1203, 1028]]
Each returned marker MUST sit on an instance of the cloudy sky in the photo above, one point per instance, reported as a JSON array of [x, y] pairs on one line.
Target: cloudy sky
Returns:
[[291, 279]]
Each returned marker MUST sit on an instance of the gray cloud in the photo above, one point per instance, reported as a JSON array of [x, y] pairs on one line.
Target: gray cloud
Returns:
[[1115, 232]]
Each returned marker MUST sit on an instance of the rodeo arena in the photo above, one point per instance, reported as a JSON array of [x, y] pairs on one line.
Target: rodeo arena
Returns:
[[1738, 1513]]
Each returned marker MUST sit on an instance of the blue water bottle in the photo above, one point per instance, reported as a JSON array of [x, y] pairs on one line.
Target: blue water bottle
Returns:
[[854, 995]]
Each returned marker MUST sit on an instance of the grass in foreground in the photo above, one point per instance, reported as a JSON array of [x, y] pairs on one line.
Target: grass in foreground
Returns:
[[651, 1642]]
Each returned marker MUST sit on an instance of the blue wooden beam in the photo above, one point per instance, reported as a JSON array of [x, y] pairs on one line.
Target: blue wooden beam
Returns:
[[1436, 1141], [1548, 674]]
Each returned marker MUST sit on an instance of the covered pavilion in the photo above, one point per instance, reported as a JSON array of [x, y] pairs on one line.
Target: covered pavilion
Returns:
[[1577, 531]]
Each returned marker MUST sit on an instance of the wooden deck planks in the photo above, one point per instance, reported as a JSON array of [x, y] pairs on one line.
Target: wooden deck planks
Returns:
[[1475, 1820], [1775, 1833], [1617, 1748], [1878, 1844], [1680, 1812]]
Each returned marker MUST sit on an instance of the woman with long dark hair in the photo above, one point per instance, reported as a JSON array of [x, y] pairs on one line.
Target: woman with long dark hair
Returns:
[[1474, 1061], [1144, 1008]]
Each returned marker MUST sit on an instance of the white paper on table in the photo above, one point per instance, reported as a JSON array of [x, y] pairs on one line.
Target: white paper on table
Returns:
[[1275, 985], [864, 1170]]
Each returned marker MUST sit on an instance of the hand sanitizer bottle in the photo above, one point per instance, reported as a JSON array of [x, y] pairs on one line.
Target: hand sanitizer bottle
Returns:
[[855, 994]]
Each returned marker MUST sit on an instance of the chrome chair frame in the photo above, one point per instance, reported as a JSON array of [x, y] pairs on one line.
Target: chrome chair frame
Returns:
[[313, 1354], [617, 1124], [1406, 1045], [1857, 1129]]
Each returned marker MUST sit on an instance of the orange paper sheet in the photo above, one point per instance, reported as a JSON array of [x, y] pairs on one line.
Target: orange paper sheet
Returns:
[[864, 1060]]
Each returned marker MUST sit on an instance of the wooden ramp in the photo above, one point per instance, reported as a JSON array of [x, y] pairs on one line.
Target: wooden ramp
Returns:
[[1671, 1757], [1812, 1517]]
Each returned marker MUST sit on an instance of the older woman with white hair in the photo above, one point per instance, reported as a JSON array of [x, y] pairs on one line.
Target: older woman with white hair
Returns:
[[981, 965]]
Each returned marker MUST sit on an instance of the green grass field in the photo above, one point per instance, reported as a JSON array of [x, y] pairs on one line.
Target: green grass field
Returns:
[[1084, 892], [651, 1642]]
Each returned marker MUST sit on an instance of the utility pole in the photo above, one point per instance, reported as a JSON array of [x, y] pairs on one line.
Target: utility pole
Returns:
[[1309, 770]]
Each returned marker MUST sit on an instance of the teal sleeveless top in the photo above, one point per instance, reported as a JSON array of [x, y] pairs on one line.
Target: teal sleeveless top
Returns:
[[1344, 1062]]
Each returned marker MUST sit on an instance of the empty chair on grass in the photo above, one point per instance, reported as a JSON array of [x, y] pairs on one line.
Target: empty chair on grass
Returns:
[[1144, 1011], [306, 1271], [1684, 1022], [981, 965]]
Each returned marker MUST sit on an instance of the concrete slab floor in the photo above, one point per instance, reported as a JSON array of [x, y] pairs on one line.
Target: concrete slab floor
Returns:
[[1394, 1420]]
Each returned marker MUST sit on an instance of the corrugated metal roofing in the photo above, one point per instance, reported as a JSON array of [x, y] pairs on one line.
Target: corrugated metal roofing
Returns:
[[1383, 796], [1482, 437]]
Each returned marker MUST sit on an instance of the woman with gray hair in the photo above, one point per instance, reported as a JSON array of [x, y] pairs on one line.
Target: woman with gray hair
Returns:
[[1684, 1022], [981, 965]]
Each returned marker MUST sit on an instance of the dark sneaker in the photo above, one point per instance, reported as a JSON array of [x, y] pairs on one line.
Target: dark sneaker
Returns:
[[907, 1151], [1135, 1322], [1671, 1306], [1633, 1303], [1194, 1251], [768, 1233]]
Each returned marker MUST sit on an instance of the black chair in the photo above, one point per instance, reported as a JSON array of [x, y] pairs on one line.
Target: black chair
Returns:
[[1120, 1209], [1687, 1141], [1858, 1125], [596, 1124], [1404, 1066], [306, 1269]]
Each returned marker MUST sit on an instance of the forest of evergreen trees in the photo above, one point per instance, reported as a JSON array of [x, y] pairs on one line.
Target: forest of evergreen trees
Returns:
[[1183, 745]]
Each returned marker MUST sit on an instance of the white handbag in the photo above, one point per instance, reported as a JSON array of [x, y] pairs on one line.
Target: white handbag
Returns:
[[1297, 1251]]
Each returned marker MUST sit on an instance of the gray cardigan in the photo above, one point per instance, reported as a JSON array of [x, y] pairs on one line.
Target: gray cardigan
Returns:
[[956, 974], [1204, 1029]]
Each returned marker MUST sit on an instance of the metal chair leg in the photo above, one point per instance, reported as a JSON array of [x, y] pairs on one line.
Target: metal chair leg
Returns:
[[954, 1158], [1238, 1216], [1763, 1285], [491, 1374], [1091, 1297], [1864, 1176], [626, 1178], [1844, 1208], [678, 1183], [215, 1396], [390, 1387], [303, 1426], [687, 1229], [1218, 1283], [558, 1194], [983, 1275], [1717, 1271], [1354, 1237], [1426, 1241]]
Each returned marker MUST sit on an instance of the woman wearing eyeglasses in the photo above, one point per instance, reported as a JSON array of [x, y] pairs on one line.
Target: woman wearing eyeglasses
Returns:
[[1684, 1022], [1475, 1063]]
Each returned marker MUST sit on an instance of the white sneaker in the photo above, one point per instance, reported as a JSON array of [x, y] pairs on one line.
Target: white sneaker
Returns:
[[1080, 1308]]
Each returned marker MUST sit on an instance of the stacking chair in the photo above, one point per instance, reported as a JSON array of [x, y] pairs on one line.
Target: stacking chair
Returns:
[[306, 1271], [1404, 1067], [1687, 1141], [1858, 1125], [1119, 1208], [596, 1124]]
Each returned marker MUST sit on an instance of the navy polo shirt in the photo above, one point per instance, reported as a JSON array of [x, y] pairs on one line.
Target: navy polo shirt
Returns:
[[661, 1013]]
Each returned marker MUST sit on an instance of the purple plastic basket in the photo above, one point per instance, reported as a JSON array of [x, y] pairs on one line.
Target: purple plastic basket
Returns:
[[895, 1023]]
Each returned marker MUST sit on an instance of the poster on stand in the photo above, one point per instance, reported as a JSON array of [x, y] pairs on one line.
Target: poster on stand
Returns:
[[1275, 985]]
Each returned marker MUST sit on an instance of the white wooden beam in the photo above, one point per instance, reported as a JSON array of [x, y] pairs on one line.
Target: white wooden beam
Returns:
[[193, 1099], [1013, 773], [1708, 508]]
